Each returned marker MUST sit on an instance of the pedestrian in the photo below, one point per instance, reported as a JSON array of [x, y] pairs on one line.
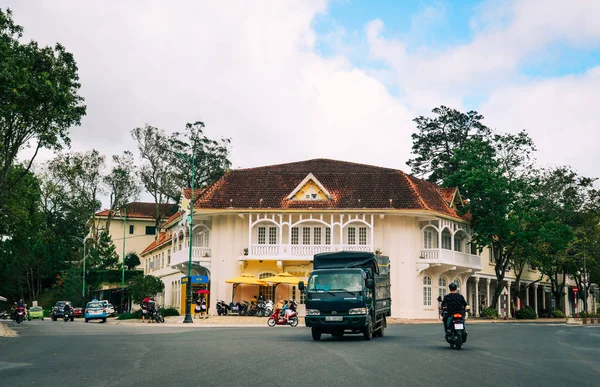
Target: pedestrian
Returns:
[[198, 308], [145, 308], [439, 300]]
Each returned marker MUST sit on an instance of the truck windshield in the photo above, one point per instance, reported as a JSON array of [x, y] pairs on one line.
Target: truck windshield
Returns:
[[332, 282]]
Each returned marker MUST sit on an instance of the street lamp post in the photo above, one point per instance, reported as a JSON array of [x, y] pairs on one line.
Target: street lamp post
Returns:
[[188, 316]]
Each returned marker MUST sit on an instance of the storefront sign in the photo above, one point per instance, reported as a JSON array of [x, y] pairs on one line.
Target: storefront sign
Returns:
[[196, 279]]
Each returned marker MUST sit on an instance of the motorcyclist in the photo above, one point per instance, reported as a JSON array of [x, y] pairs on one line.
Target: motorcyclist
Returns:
[[151, 306], [284, 308], [67, 310], [452, 303], [291, 308]]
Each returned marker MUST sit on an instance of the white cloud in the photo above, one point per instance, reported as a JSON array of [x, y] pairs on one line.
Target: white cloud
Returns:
[[252, 71], [561, 115], [248, 71]]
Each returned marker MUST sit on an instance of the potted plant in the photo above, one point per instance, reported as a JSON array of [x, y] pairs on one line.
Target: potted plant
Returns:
[[584, 317]]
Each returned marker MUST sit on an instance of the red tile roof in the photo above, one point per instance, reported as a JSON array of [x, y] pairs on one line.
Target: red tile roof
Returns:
[[352, 186], [187, 192], [447, 193], [144, 210], [172, 218], [163, 238]]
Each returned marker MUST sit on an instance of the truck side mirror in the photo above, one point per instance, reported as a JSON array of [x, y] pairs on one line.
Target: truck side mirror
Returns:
[[301, 286], [369, 283]]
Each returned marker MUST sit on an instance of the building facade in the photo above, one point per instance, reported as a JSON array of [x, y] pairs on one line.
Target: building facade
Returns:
[[273, 219]]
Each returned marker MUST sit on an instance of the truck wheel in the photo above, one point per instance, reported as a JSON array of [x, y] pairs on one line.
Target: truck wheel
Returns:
[[368, 331], [316, 334]]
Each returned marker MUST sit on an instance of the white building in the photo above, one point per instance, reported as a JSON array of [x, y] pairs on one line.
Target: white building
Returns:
[[273, 219]]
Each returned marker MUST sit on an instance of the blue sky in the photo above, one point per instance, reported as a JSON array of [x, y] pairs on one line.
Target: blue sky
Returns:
[[430, 26]]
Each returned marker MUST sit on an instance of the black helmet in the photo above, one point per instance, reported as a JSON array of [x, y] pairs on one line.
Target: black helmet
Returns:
[[453, 286]]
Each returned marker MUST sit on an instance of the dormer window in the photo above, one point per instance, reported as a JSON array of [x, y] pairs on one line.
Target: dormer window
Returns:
[[310, 189]]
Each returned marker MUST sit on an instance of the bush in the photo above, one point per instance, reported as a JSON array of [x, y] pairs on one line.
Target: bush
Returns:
[[129, 316], [527, 313], [558, 314], [169, 312], [489, 313]]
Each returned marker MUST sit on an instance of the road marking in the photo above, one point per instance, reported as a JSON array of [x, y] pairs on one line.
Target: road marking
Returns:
[[7, 366]]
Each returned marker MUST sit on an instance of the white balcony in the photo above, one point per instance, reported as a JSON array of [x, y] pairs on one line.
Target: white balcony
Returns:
[[181, 257], [298, 252], [450, 257]]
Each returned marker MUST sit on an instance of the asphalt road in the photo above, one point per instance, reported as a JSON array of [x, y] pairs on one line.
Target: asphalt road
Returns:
[[97, 354]]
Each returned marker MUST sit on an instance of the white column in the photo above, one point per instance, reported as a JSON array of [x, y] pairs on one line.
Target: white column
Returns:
[[544, 297], [508, 300], [526, 296], [535, 297], [476, 306], [566, 301], [499, 304], [487, 293]]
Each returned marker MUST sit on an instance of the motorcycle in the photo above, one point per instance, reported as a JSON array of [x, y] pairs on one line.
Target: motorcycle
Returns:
[[456, 334], [157, 316], [4, 315], [66, 316], [265, 308], [236, 308], [20, 315], [222, 308], [277, 319]]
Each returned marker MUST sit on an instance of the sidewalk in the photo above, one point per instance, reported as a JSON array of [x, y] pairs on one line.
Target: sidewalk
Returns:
[[255, 322], [5, 331]]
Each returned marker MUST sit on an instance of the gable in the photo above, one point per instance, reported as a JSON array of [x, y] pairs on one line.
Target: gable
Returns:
[[309, 189]]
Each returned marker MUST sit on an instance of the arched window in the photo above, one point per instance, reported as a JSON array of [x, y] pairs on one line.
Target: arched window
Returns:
[[446, 240], [457, 282], [443, 287], [266, 291], [427, 291]]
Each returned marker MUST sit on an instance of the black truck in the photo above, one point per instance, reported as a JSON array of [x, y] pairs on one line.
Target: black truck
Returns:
[[348, 292]]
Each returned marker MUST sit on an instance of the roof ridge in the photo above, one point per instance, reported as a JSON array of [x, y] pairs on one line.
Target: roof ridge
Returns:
[[415, 189], [313, 160]]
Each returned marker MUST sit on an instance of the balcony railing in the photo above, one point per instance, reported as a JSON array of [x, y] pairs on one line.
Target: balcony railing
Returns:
[[282, 251], [449, 257], [182, 256]]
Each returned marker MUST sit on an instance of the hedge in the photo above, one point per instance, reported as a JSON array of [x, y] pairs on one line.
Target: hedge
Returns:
[[489, 313], [527, 313]]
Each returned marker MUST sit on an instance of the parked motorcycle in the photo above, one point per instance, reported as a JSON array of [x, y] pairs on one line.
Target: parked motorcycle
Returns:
[[222, 308], [277, 319], [456, 335], [265, 308], [237, 308], [4, 315], [20, 314]]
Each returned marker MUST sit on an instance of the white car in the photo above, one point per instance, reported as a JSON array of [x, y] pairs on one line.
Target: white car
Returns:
[[110, 309]]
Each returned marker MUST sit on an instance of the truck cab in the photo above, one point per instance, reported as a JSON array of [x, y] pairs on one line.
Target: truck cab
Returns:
[[348, 292]]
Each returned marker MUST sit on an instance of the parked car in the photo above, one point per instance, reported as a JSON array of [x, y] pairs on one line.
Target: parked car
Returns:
[[78, 312], [110, 310], [95, 310], [36, 312], [58, 310]]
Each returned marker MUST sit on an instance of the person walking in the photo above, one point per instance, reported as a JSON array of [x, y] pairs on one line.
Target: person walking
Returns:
[[198, 308]]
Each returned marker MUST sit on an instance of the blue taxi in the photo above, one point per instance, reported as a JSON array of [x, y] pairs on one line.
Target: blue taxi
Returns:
[[95, 310]]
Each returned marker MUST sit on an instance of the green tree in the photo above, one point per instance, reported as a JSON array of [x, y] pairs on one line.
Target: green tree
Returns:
[[496, 174], [156, 171], [211, 157], [39, 99], [104, 255], [132, 260], [144, 286], [121, 184], [438, 138], [80, 177]]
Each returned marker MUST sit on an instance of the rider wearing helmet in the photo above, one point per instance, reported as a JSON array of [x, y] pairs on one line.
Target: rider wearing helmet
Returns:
[[452, 303]]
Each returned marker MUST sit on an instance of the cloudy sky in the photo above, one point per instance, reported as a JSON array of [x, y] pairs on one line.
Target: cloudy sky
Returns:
[[341, 79]]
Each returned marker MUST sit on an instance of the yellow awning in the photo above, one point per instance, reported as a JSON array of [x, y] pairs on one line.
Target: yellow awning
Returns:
[[283, 278], [246, 279]]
